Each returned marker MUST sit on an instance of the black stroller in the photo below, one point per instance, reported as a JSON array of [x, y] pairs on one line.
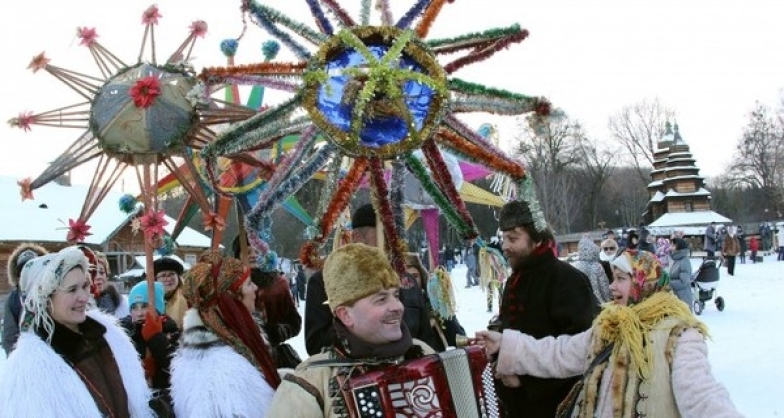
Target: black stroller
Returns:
[[704, 282]]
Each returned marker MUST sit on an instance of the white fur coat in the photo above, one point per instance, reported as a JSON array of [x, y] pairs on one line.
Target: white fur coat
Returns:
[[37, 382], [210, 379]]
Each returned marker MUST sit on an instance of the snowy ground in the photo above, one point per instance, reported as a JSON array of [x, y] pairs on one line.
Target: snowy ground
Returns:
[[746, 346]]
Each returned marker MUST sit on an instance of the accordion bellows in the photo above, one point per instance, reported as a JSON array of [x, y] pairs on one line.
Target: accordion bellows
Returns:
[[455, 383]]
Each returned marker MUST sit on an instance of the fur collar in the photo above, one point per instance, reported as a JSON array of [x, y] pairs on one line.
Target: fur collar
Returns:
[[196, 334]]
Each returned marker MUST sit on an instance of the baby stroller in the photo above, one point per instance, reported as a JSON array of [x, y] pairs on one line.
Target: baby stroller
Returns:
[[704, 282]]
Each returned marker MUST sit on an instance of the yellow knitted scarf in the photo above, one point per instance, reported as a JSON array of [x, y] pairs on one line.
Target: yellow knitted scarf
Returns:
[[629, 327]]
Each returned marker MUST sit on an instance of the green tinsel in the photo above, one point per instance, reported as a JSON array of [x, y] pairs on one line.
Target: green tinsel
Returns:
[[420, 172], [527, 193], [463, 86], [303, 30], [489, 35]]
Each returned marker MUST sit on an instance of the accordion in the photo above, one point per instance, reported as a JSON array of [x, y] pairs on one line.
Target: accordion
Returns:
[[456, 383]]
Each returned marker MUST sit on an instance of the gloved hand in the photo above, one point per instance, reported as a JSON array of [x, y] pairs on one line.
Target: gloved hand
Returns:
[[153, 325]]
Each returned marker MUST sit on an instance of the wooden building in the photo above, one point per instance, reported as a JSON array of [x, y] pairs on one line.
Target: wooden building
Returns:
[[44, 220]]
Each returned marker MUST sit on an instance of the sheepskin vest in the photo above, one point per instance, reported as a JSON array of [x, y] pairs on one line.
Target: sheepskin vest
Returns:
[[632, 396], [36, 382]]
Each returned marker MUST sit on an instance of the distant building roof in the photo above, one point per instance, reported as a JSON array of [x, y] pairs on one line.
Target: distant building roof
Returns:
[[700, 192], [45, 219], [689, 219]]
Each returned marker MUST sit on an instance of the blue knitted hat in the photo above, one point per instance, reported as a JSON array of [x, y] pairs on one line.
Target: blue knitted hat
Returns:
[[138, 294]]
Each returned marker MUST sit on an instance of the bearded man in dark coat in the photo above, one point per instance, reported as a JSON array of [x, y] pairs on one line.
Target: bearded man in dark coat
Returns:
[[543, 297]]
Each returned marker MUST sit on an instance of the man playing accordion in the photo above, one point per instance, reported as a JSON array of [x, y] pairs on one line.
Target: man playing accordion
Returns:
[[375, 368]]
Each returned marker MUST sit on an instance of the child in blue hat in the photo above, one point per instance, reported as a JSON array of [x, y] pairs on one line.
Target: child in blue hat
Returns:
[[155, 338]]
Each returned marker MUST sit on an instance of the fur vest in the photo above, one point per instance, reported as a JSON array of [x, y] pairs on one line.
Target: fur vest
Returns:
[[210, 379], [36, 382]]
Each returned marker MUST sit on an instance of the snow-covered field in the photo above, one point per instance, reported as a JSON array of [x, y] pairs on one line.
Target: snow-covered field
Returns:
[[746, 349]]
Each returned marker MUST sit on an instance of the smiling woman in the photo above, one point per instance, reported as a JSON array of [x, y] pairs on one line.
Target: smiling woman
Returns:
[[70, 360]]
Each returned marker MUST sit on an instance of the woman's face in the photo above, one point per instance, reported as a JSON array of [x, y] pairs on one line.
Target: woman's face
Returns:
[[621, 287], [415, 274], [138, 311], [248, 291], [69, 302], [100, 278]]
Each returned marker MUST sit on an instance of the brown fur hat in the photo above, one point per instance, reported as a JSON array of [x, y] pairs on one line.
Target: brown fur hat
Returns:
[[25, 252], [354, 271], [513, 214]]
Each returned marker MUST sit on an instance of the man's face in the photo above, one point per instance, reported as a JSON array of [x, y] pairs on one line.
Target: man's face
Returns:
[[375, 319], [365, 235], [517, 246]]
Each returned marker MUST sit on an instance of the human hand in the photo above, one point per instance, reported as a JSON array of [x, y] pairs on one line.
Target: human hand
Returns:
[[510, 381], [153, 325], [491, 340]]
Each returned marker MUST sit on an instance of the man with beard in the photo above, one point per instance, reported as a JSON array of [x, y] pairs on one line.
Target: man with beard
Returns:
[[543, 297], [319, 329]]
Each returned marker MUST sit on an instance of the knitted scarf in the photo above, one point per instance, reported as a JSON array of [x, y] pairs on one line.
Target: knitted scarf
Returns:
[[629, 327]]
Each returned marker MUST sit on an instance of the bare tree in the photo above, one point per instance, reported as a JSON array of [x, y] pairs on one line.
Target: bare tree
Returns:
[[596, 169], [551, 147], [637, 128], [759, 161]]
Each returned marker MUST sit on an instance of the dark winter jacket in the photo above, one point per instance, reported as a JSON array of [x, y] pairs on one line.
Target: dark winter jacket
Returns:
[[547, 297], [13, 309], [319, 332], [162, 346]]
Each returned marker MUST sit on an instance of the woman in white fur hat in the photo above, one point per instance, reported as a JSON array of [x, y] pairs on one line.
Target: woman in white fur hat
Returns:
[[70, 362]]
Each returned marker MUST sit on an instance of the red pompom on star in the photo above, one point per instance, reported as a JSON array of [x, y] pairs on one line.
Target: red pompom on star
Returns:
[[153, 223], [151, 15], [39, 62], [87, 36]]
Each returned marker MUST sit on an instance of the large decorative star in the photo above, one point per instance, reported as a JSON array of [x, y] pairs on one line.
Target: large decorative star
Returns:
[[376, 93], [141, 115]]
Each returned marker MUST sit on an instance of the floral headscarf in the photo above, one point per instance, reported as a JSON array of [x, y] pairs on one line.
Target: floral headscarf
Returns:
[[647, 273]]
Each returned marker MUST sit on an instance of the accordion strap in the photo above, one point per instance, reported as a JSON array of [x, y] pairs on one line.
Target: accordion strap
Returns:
[[339, 362]]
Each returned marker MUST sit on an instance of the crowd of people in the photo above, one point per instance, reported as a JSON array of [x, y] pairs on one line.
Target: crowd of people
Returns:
[[608, 335]]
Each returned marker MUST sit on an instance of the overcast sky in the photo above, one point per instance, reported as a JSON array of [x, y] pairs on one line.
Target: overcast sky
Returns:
[[709, 61]]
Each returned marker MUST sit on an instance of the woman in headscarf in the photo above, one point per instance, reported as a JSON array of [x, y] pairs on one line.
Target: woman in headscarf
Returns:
[[645, 354], [70, 361], [223, 367], [107, 297], [13, 305]]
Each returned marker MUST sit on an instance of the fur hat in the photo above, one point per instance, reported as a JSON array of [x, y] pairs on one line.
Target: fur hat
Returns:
[[513, 214], [167, 264], [363, 216], [42, 287], [138, 294], [632, 240], [354, 271], [19, 257], [648, 276]]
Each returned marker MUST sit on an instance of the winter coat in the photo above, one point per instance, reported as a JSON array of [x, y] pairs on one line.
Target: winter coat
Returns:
[[113, 303], [308, 392], [753, 244], [588, 263], [680, 276], [176, 307], [710, 239], [210, 379], [547, 297], [13, 309], [685, 387], [36, 382], [319, 332], [730, 246]]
